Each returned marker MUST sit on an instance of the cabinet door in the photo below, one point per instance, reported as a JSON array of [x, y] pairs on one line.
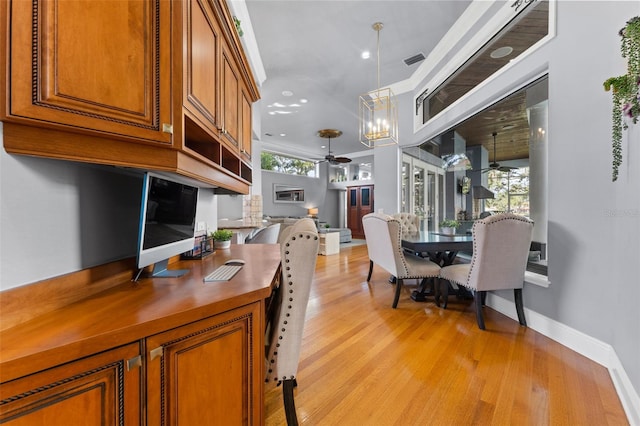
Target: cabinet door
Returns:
[[245, 126], [99, 390], [202, 36], [92, 66], [230, 96], [209, 372]]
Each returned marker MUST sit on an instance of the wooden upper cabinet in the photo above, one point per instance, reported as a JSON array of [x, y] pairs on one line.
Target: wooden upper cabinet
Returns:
[[203, 37], [99, 66], [230, 96], [245, 125]]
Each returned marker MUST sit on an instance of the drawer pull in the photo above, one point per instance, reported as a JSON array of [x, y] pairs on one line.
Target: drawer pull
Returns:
[[167, 128], [155, 353], [134, 362]]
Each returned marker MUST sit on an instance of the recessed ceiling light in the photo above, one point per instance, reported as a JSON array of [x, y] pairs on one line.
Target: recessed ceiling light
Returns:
[[501, 52], [287, 93], [283, 134], [365, 55], [294, 105], [277, 105], [272, 113], [323, 146], [303, 101]]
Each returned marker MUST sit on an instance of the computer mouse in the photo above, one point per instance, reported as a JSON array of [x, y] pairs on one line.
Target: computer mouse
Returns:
[[234, 262]]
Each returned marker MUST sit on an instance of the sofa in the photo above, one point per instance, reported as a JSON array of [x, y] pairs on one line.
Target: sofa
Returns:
[[345, 233]]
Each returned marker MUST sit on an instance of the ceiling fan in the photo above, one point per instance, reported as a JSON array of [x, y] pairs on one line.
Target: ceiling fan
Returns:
[[494, 165], [328, 134]]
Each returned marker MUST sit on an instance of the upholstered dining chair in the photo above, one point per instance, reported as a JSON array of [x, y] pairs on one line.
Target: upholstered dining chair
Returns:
[[383, 234], [500, 252], [299, 252], [267, 235], [410, 223]]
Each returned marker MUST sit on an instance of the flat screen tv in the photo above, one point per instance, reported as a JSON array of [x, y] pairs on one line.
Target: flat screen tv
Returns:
[[167, 222]]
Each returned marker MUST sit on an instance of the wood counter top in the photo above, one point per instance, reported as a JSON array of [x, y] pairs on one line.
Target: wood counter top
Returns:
[[128, 311]]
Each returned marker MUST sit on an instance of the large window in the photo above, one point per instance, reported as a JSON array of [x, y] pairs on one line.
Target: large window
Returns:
[[511, 191], [289, 165]]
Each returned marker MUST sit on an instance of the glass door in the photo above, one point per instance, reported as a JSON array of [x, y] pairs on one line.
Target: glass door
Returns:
[[422, 191]]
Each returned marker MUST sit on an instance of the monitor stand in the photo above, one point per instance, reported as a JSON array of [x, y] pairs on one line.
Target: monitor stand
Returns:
[[160, 270]]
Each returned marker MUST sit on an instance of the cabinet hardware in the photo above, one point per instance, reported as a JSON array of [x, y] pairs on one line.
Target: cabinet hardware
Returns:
[[134, 362], [155, 353], [167, 128]]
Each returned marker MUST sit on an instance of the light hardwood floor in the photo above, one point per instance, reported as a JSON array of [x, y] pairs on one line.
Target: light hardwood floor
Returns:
[[364, 363]]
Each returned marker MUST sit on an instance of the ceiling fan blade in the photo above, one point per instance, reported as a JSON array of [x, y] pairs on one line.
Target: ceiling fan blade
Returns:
[[342, 160]]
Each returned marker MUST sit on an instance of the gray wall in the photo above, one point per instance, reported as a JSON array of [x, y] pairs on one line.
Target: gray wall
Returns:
[[58, 217], [594, 224], [315, 192]]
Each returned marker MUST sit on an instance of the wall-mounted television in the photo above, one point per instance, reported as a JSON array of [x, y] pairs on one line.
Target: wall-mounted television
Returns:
[[167, 222]]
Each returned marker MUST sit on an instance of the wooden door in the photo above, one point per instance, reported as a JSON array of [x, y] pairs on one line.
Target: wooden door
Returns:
[[92, 66], [359, 203], [209, 372], [99, 390]]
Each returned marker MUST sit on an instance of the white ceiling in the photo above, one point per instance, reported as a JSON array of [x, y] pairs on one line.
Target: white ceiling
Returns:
[[313, 48]]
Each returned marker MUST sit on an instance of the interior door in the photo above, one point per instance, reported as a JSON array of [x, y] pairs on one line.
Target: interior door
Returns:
[[359, 203]]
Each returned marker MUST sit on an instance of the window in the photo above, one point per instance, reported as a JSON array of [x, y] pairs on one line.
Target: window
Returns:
[[511, 191], [289, 165]]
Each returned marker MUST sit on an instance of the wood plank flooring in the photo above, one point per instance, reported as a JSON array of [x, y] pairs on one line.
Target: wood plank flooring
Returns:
[[364, 363]]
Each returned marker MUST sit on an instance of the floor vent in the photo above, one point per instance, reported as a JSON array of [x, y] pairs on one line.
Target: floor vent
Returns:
[[414, 59]]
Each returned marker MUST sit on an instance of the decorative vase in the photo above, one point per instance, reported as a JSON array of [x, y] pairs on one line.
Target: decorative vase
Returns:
[[222, 244], [447, 231]]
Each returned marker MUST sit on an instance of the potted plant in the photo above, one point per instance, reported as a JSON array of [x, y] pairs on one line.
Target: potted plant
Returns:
[[448, 226], [626, 90], [222, 238]]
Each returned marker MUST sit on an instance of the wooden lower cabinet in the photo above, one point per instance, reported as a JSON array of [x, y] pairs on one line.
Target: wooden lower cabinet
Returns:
[[103, 389], [208, 372]]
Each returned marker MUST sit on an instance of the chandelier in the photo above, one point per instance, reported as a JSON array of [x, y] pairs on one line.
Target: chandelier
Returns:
[[378, 118]]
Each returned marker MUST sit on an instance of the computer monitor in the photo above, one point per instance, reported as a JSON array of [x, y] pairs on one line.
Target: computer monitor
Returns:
[[167, 222]]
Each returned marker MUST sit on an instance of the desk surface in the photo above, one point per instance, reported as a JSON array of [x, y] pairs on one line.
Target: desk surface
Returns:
[[131, 311]]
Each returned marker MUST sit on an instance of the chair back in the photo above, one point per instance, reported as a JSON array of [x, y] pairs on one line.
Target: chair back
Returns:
[[500, 252], [410, 223], [268, 235], [299, 252], [383, 235]]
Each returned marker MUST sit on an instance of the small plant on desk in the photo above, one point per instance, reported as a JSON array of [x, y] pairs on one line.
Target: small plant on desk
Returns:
[[222, 238]]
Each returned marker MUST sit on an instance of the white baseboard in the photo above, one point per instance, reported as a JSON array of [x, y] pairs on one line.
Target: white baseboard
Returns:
[[592, 348]]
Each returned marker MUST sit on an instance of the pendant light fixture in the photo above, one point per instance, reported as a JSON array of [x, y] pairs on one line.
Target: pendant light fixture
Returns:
[[378, 118]]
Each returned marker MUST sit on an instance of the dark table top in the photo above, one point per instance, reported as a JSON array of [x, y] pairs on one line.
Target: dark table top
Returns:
[[433, 242]]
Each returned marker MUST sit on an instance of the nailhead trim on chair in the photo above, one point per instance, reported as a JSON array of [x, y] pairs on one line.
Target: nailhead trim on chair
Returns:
[[487, 221], [287, 314]]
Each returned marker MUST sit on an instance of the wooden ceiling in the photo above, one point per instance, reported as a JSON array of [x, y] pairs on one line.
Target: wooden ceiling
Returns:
[[508, 118]]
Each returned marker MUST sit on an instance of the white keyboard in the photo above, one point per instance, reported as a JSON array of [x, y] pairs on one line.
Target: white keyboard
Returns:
[[223, 273]]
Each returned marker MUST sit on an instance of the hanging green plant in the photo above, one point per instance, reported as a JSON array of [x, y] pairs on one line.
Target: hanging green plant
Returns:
[[236, 21], [626, 90]]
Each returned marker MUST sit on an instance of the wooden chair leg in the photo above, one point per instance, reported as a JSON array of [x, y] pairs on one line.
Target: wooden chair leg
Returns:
[[289, 404], [397, 296], [479, 318], [517, 293], [370, 270]]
